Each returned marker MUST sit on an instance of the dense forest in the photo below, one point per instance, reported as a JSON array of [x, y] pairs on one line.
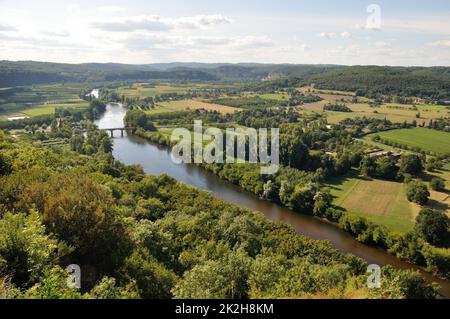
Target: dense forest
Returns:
[[138, 236]]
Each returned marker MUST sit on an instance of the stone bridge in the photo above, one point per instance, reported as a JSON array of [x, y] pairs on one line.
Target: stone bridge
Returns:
[[121, 129]]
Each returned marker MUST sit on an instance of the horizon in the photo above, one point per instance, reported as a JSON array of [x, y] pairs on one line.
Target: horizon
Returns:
[[351, 32], [231, 63]]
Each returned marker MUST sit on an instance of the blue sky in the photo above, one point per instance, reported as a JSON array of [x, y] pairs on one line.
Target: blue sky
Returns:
[[284, 31]]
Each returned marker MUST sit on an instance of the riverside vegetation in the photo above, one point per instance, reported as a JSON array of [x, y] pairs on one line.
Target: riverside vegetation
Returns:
[[65, 200]]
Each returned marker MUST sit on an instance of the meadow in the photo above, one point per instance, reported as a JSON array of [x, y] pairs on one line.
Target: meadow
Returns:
[[397, 113], [143, 91], [39, 99], [380, 201], [270, 96], [426, 139], [196, 105], [50, 108]]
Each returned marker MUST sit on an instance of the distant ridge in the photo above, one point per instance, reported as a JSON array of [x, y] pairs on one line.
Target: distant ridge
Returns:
[[429, 82]]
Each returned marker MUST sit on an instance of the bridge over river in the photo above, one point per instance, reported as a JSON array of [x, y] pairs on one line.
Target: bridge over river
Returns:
[[121, 129]]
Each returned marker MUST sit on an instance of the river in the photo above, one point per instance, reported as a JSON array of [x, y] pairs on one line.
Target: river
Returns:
[[156, 160]]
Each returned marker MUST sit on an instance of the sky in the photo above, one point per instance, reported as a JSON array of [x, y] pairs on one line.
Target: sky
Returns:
[[350, 32]]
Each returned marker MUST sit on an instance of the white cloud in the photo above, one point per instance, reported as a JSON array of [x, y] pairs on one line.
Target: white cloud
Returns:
[[382, 44], [56, 33], [212, 40], [200, 20], [252, 42], [110, 9], [157, 23], [441, 43], [327, 35], [148, 23], [6, 27], [345, 35], [153, 41], [305, 47]]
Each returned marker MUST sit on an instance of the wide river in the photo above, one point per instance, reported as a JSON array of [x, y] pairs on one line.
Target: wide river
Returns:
[[156, 160]]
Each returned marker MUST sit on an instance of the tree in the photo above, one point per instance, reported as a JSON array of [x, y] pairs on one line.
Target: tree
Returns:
[[152, 278], [437, 184], [108, 289], [25, 248], [433, 226], [7, 289], [80, 212], [417, 192], [5, 165], [368, 167], [400, 284], [96, 108], [224, 278], [138, 118], [76, 143], [293, 152], [270, 190], [302, 199], [106, 145], [386, 168], [151, 209], [411, 164], [322, 201], [433, 164], [53, 285]]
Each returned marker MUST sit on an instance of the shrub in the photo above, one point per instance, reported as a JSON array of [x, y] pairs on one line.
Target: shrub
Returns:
[[417, 192]]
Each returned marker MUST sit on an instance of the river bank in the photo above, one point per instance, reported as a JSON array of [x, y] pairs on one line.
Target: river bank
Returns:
[[156, 160]]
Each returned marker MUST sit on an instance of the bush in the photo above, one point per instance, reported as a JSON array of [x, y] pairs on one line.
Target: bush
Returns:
[[138, 118], [433, 226], [5, 165], [417, 192], [437, 184], [437, 260], [411, 164]]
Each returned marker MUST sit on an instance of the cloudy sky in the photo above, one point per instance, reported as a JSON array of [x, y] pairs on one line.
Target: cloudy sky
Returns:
[[396, 32]]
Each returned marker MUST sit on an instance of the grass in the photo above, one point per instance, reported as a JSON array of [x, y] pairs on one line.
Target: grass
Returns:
[[274, 96], [382, 202], [196, 105], [423, 138], [40, 110], [397, 113], [143, 91], [39, 99], [159, 110], [440, 200], [50, 108]]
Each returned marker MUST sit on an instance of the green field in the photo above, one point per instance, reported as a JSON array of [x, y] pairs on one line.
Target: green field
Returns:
[[382, 202], [159, 110], [184, 105], [143, 91], [275, 96], [39, 99], [424, 138]]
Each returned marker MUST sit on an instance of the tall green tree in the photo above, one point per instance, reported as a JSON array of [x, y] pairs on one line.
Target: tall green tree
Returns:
[[433, 226]]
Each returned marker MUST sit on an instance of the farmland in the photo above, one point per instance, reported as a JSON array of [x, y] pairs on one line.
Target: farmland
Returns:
[[143, 90], [196, 105], [39, 100], [423, 138], [397, 113], [383, 202], [50, 108]]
